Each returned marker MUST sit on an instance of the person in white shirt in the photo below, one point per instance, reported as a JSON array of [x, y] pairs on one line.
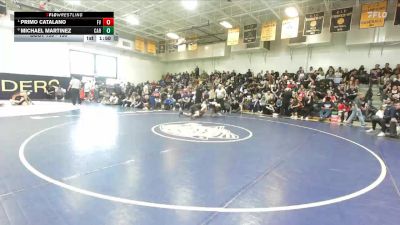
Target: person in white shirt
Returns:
[[59, 92], [145, 89], [113, 99], [220, 95], [87, 87], [73, 88], [378, 119], [320, 76]]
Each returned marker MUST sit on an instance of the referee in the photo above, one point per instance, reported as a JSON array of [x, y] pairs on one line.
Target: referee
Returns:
[[220, 94], [74, 86]]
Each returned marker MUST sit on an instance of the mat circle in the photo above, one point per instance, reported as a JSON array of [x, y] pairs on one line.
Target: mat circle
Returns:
[[61, 184]]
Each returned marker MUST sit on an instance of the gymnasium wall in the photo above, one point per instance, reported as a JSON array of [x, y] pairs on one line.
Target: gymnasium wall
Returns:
[[52, 59], [282, 57]]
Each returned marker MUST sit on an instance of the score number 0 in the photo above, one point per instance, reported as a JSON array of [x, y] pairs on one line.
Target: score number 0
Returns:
[[108, 21]]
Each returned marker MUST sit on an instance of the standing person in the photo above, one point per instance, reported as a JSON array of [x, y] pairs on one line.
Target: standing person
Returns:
[[286, 97], [356, 111], [86, 88], [220, 94], [198, 95], [308, 102], [197, 72], [73, 88], [375, 76]]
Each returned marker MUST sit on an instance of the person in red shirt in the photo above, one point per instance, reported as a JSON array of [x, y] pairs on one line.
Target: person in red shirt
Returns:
[[343, 110], [330, 96]]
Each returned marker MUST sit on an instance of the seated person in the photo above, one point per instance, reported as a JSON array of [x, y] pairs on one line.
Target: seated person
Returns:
[[343, 110], [21, 98], [378, 119], [50, 91], [186, 100], [326, 108], [351, 93], [157, 102], [390, 115], [295, 106], [330, 95], [235, 106], [59, 92], [169, 103], [146, 102], [112, 100], [227, 105], [255, 104], [137, 103], [246, 103], [308, 105], [395, 93], [127, 102]]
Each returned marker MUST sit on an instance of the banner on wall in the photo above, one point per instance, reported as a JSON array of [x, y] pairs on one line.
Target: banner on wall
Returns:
[[192, 46], [341, 19], [313, 23], [290, 28], [233, 36], [161, 47], [268, 31], [250, 33], [172, 47], [13, 83], [373, 14], [3, 7], [139, 44], [182, 48], [151, 47], [397, 16]]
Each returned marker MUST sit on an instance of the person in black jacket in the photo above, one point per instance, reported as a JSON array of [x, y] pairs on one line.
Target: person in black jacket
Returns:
[[308, 102], [286, 96], [390, 115], [198, 95], [197, 72], [351, 93]]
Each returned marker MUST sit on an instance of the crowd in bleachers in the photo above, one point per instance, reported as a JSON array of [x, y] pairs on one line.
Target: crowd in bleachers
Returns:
[[330, 95]]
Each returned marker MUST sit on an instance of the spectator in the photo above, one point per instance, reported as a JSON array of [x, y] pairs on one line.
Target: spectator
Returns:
[[73, 88], [389, 115], [220, 94], [343, 110], [326, 108], [356, 110]]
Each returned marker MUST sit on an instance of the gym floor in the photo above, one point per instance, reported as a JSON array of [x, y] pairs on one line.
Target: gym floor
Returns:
[[103, 165]]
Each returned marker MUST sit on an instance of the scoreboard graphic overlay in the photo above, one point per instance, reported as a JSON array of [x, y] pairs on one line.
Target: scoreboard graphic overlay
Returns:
[[64, 26]]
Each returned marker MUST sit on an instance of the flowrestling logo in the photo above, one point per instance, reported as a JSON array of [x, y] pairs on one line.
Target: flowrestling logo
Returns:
[[198, 131], [202, 132]]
